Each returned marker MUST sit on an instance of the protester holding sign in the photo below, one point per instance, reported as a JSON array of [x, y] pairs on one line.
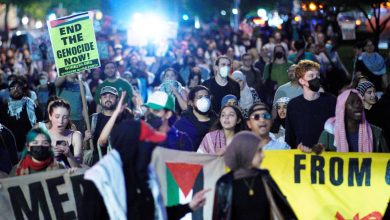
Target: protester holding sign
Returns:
[[349, 131], [307, 113], [126, 195], [248, 192], [68, 88], [260, 122], [74, 43], [221, 134]]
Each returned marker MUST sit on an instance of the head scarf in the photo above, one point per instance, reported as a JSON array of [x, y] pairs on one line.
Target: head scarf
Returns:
[[240, 152], [363, 86], [375, 63], [226, 99], [246, 98], [15, 108], [282, 100], [340, 137], [278, 121]]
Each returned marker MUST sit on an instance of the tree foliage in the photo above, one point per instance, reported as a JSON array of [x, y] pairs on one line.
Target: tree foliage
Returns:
[[370, 8]]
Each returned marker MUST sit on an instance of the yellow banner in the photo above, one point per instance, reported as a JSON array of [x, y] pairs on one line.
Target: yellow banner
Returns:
[[332, 185]]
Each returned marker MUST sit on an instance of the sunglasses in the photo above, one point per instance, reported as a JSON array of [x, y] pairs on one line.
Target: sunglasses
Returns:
[[266, 116]]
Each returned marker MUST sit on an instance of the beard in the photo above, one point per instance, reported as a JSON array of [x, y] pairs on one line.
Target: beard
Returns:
[[16, 95], [109, 106], [202, 113]]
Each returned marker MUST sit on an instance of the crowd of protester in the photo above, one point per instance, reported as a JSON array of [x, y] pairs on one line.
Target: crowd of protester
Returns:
[[213, 92]]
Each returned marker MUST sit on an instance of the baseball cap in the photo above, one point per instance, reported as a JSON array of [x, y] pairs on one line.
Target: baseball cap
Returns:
[[258, 107], [109, 89], [160, 100]]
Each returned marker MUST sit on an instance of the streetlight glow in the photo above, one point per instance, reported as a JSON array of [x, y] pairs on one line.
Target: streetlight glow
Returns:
[[312, 6], [197, 22], [262, 13], [185, 17], [235, 11], [223, 12], [38, 24], [25, 20], [98, 15], [52, 16]]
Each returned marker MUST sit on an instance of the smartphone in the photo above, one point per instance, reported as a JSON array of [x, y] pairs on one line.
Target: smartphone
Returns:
[[61, 142]]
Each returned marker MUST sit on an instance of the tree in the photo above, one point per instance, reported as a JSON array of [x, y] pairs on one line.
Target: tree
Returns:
[[377, 24]]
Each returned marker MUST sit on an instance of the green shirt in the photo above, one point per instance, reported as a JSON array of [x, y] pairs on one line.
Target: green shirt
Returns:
[[120, 84], [307, 56], [278, 74]]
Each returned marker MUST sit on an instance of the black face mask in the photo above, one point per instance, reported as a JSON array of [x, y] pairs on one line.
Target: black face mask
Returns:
[[154, 120], [279, 55], [40, 152], [314, 84]]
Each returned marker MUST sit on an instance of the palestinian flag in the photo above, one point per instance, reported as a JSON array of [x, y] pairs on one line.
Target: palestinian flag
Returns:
[[183, 181], [181, 174]]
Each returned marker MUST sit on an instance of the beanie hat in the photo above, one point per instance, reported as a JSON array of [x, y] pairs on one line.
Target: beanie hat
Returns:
[[363, 86]]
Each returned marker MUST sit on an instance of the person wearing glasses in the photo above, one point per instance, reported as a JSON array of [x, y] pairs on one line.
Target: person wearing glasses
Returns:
[[308, 112], [260, 123]]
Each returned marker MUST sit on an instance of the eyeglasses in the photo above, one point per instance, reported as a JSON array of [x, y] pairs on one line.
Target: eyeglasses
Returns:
[[266, 116]]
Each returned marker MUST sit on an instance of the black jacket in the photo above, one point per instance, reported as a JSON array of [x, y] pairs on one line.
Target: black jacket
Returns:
[[224, 197]]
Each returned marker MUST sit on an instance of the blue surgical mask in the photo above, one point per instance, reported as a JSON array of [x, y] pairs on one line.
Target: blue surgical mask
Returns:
[[328, 47]]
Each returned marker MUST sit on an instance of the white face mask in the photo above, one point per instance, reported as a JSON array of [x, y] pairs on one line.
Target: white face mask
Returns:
[[224, 71], [203, 104]]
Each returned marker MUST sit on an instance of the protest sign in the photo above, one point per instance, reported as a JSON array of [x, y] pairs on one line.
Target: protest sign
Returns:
[[181, 174], [40, 45], [332, 185], [46, 195], [74, 44], [348, 30]]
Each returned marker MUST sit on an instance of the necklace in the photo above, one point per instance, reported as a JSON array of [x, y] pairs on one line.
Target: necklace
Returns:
[[251, 192]]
